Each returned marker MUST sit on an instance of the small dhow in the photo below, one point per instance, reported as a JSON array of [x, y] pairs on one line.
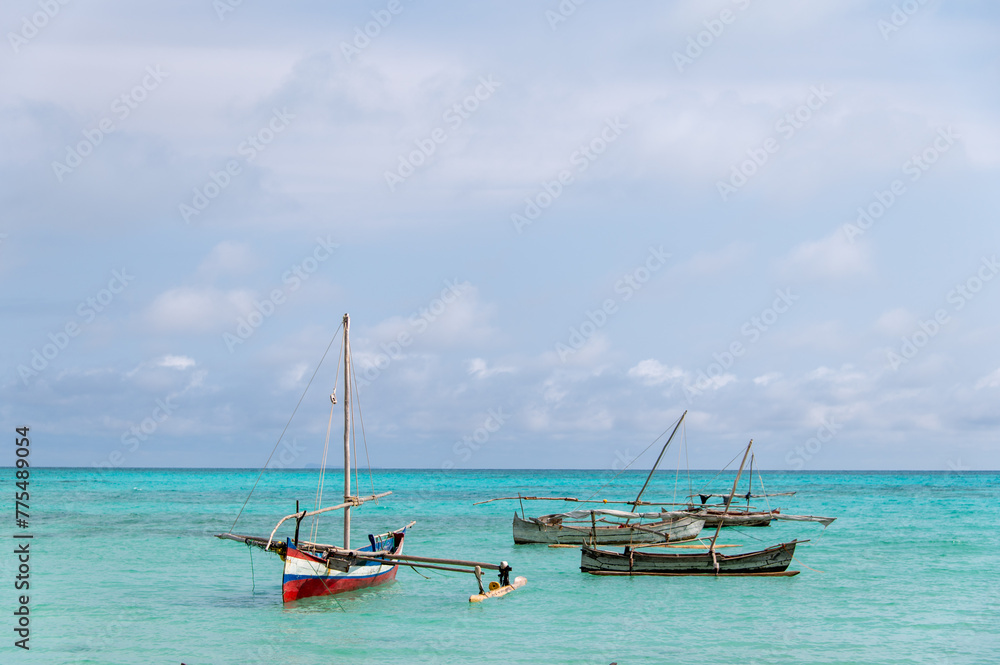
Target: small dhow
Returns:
[[317, 569], [726, 514], [617, 527], [771, 561]]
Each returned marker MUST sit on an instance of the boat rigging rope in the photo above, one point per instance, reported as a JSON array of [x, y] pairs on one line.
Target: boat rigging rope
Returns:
[[354, 442], [253, 581], [419, 573], [322, 477], [815, 570], [625, 468], [718, 474], [314, 531], [687, 459], [764, 491], [677, 473], [332, 592], [273, 450], [364, 439]]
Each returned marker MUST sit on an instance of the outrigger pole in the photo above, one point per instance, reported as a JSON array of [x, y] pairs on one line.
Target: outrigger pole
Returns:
[[454, 565]]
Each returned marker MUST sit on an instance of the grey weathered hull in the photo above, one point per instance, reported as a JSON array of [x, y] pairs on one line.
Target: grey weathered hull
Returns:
[[772, 560], [672, 529], [713, 517]]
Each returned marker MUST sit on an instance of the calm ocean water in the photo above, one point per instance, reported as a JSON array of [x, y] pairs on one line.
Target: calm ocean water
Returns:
[[124, 571]]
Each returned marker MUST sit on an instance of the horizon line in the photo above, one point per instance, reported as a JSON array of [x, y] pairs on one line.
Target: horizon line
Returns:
[[386, 468]]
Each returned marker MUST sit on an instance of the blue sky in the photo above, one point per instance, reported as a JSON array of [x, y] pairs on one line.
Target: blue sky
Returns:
[[582, 220]]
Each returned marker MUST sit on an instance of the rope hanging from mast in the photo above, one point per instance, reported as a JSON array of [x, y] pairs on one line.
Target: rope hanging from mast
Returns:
[[625, 468], [354, 437], [708, 482], [364, 439], [322, 471], [278, 442]]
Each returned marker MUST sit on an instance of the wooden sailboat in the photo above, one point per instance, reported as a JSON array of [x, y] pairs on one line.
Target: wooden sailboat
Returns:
[[616, 527], [575, 528], [726, 514], [771, 561], [714, 516], [317, 569]]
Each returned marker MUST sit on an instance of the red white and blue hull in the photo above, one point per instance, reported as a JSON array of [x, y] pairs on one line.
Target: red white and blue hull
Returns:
[[308, 575]]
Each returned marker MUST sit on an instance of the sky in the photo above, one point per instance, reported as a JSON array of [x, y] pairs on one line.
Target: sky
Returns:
[[557, 226]]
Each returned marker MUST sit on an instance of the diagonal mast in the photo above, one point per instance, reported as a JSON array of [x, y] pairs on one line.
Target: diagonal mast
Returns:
[[653, 470], [347, 434], [736, 482]]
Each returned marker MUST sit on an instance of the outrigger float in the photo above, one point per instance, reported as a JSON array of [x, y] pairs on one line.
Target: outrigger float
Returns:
[[316, 569], [496, 590]]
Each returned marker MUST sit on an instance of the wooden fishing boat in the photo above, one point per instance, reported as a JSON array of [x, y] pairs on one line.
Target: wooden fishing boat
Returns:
[[742, 517], [738, 517], [617, 527], [726, 515], [575, 528], [317, 569], [311, 574], [771, 561]]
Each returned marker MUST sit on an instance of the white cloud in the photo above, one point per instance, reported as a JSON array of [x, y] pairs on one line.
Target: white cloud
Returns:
[[716, 382], [765, 379], [176, 362], [652, 372], [829, 258], [353, 121], [479, 368], [451, 317], [198, 310], [594, 353], [991, 380], [292, 376], [227, 258], [895, 322], [179, 363]]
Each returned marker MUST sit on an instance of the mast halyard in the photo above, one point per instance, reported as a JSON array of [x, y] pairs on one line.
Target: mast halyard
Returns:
[[635, 503], [347, 434], [711, 548]]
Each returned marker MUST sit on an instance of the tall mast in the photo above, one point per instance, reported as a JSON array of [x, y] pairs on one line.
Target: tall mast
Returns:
[[347, 433], [653, 470]]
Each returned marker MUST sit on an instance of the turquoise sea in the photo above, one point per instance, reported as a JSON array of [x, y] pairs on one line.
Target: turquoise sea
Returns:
[[124, 570]]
